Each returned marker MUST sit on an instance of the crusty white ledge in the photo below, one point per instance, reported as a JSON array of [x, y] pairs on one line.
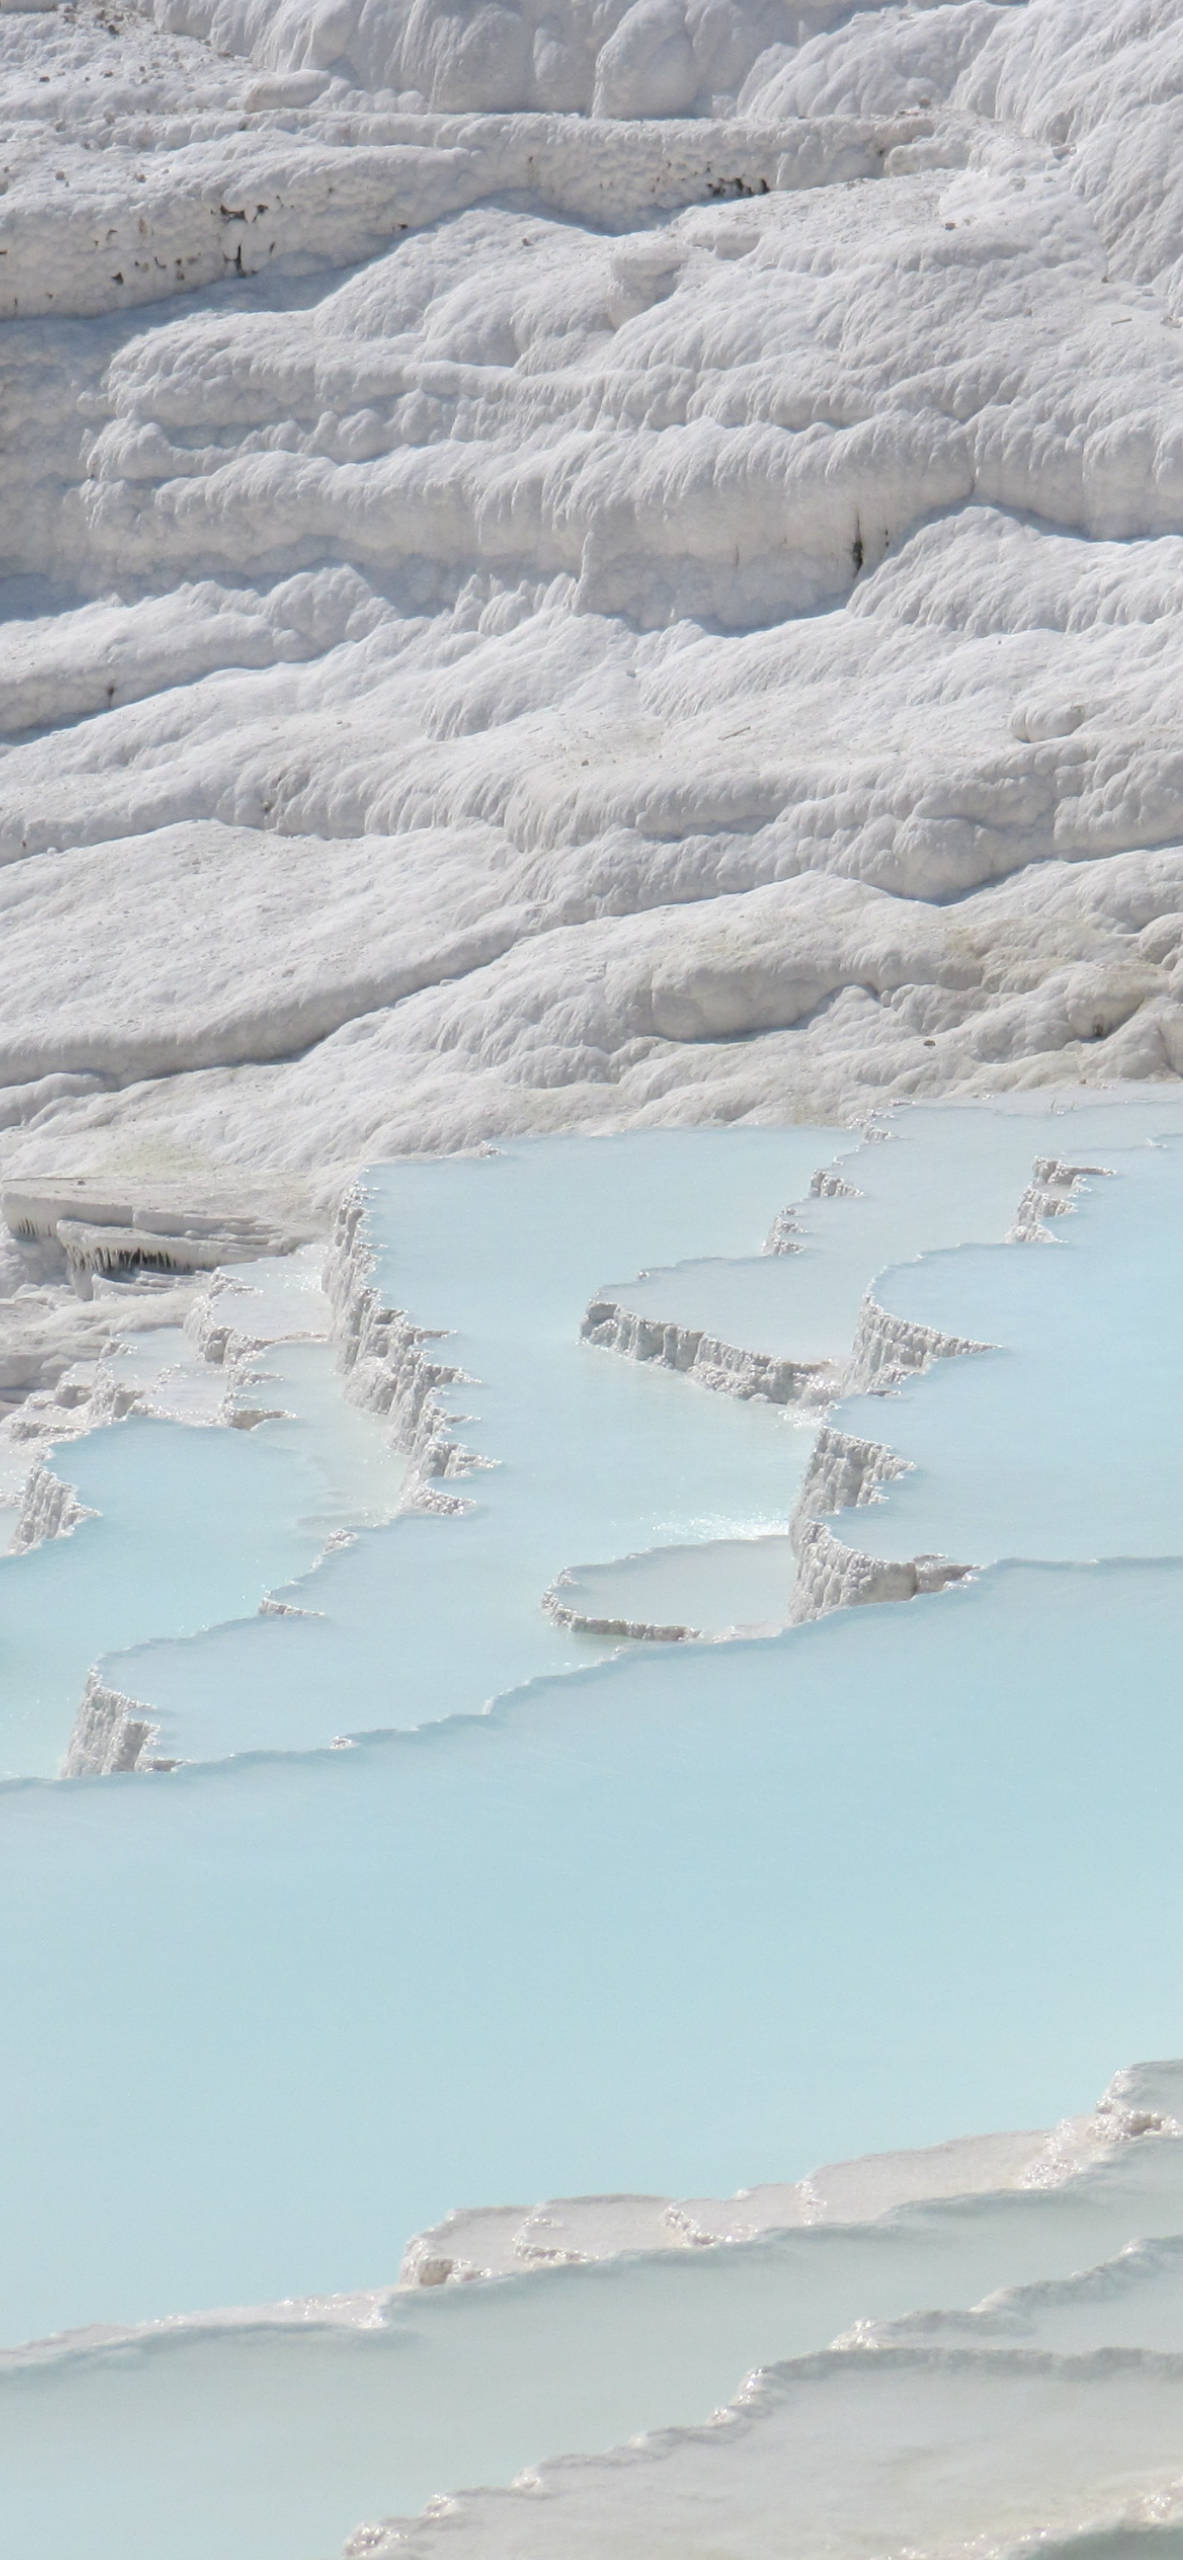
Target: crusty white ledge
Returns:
[[483, 2243], [389, 1368], [112, 1734], [647, 2495], [50, 1508], [1049, 1194], [585, 1622], [704, 1358], [845, 1472], [389, 1363], [486, 2241], [831, 1575], [815, 2454], [887, 1348], [606, 1598], [89, 1231]]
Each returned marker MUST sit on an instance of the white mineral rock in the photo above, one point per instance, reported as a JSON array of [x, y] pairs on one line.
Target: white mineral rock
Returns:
[[572, 567]]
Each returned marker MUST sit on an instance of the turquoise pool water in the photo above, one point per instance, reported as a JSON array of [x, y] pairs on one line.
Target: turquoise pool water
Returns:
[[687, 1920], [937, 1177], [110, 2453], [589, 1458], [1062, 1440], [677, 1919], [722, 1586], [190, 1523]]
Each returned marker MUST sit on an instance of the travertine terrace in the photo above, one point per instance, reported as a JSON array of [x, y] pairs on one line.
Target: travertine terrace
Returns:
[[591, 1086]]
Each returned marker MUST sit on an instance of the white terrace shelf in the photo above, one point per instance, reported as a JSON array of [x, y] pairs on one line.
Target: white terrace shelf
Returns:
[[582, 1461], [721, 1587], [492, 1258], [928, 1179], [831, 1844], [325, 2412]]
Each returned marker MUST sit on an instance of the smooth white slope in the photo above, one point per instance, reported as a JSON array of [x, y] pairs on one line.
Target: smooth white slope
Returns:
[[635, 648], [929, 2455]]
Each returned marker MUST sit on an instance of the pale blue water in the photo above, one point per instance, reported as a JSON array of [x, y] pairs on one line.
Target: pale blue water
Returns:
[[194, 1525], [111, 2454], [942, 1176], [723, 1586], [686, 1921], [1064, 1440], [593, 1456]]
